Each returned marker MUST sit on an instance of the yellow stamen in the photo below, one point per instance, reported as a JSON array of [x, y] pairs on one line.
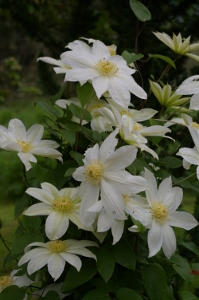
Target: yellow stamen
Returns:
[[195, 125], [106, 68], [63, 204], [57, 246], [159, 212], [94, 172], [25, 146], [5, 281], [126, 198], [137, 126]]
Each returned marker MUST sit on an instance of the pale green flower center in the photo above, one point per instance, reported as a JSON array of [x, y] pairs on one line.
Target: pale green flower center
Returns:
[[63, 204], [159, 212], [57, 246], [5, 281], [94, 172], [137, 126], [106, 68], [25, 146], [195, 125], [126, 198]]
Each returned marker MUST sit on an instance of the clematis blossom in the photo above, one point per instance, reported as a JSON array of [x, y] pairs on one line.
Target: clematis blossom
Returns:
[[190, 86], [27, 143], [107, 73], [162, 215], [55, 254], [104, 175], [61, 206]]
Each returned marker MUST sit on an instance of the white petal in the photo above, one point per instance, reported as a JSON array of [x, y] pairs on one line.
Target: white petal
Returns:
[[35, 133], [168, 241], [89, 195], [56, 264], [154, 239], [117, 230], [37, 262], [41, 195], [104, 221], [151, 193], [56, 225], [182, 219], [39, 209], [112, 200], [25, 158], [17, 129], [121, 158], [72, 259], [190, 155], [100, 85], [108, 146]]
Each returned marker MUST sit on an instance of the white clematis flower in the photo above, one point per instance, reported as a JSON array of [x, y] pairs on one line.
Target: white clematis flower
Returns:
[[103, 174], [191, 155], [163, 202], [60, 207], [55, 254], [61, 67], [105, 71], [15, 138], [13, 279], [190, 86]]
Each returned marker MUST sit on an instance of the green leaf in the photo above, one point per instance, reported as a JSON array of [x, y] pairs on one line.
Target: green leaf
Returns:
[[52, 295], [80, 113], [182, 267], [69, 136], [105, 262], [127, 294], [109, 287], [171, 162], [21, 206], [165, 58], [191, 246], [59, 172], [140, 10], [124, 254], [31, 222], [155, 282], [43, 174], [74, 278], [12, 292], [69, 172], [131, 57], [185, 295], [85, 93], [48, 108], [96, 295], [22, 240]]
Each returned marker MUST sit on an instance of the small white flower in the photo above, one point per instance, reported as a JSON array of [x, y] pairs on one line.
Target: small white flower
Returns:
[[162, 214], [15, 138], [104, 175], [105, 71], [190, 86], [12, 279], [60, 207], [55, 254]]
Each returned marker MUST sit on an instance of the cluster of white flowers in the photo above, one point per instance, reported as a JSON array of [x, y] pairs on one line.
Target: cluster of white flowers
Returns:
[[106, 194]]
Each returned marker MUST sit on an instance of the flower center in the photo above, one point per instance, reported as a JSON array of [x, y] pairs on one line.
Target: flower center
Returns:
[[106, 68], [160, 212], [5, 281], [57, 246], [137, 126], [195, 125], [63, 204], [25, 146], [94, 172], [126, 198]]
